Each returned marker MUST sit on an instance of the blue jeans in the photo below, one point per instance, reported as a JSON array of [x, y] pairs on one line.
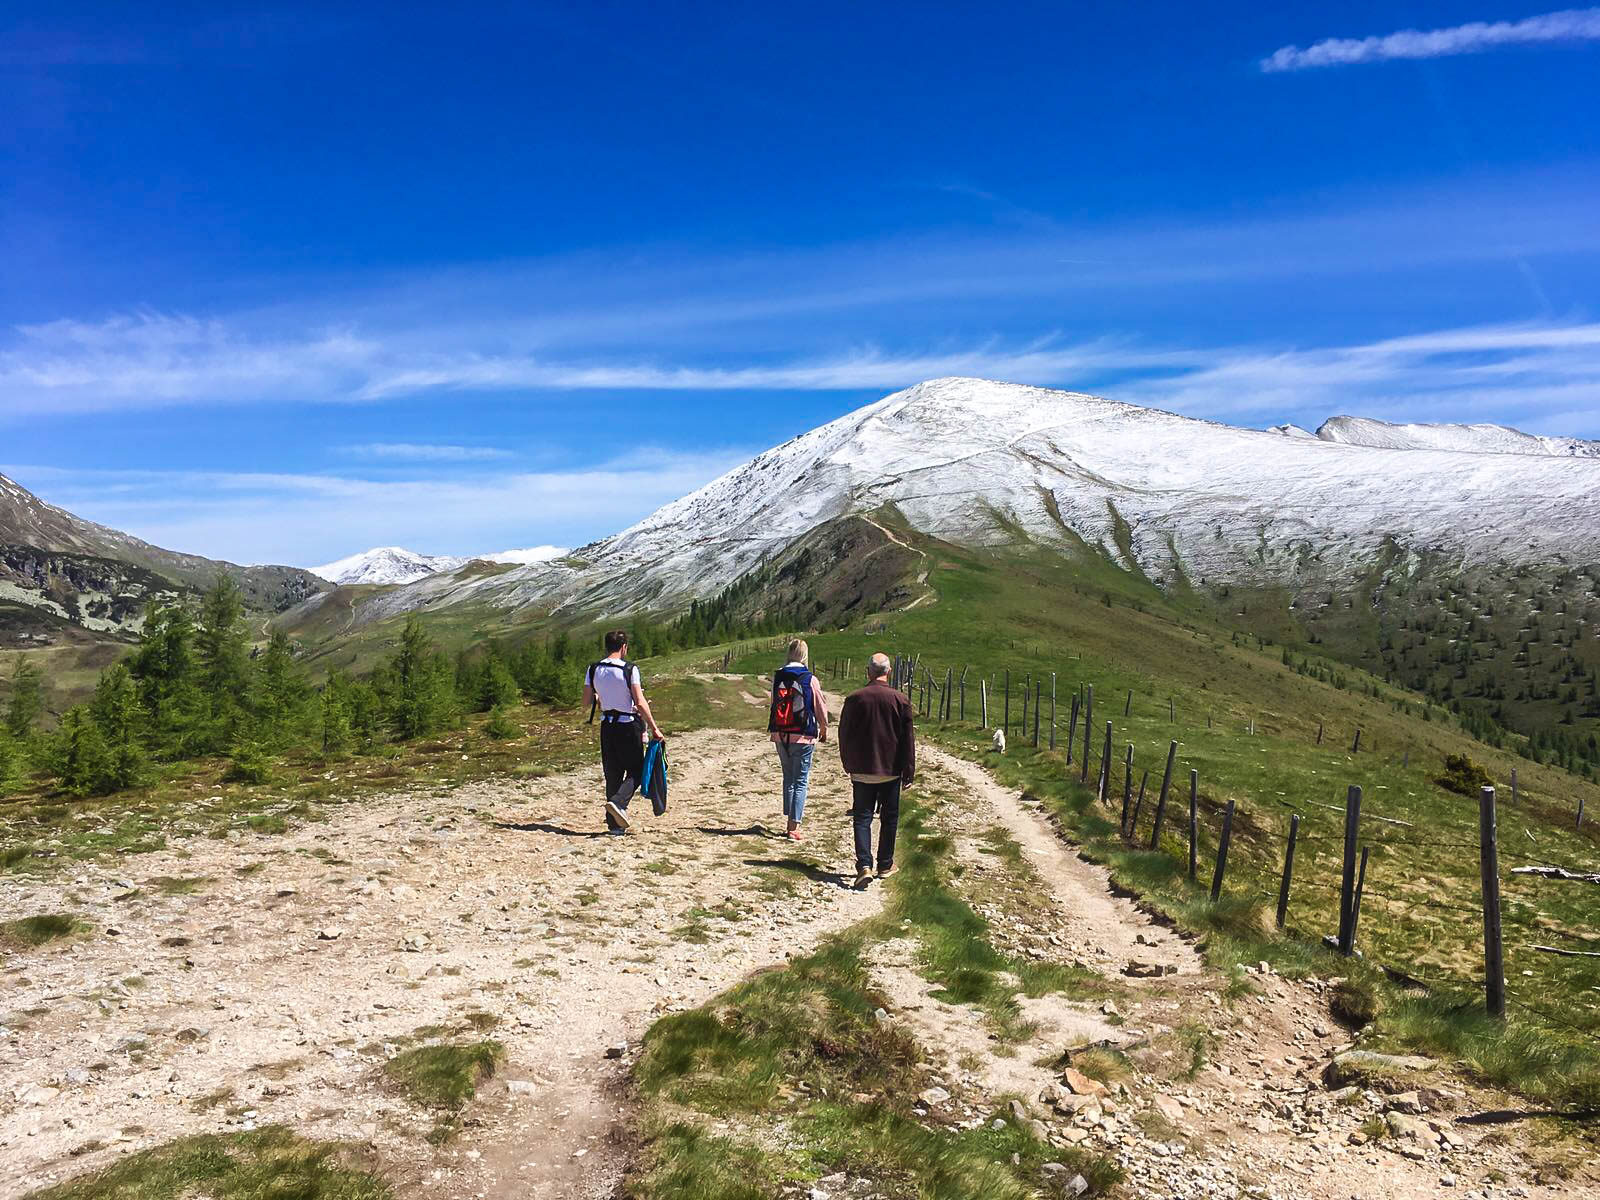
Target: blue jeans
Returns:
[[796, 762]]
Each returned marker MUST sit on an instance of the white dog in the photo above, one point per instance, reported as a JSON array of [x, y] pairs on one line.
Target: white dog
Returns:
[[999, 741]]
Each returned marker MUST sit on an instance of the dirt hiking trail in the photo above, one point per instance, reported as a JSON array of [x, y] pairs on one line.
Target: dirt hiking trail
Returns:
[[257, 979]]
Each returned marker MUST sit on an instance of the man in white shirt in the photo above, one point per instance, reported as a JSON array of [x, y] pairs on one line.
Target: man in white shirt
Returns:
[[612, 685]]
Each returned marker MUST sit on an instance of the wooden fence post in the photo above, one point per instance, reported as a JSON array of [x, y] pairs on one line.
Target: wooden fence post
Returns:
[[1355, 904], [1138, 805], [1026, 691], [1222, 852], [1288, 868], [1127, 707], [1347, 890], [1127, 789], [1105, 767], [1319, 733], [948, 673], [963, 686], [1161, 802], [1052, 710], [1355, 746], [1172, 711], [1038, 697], [1072, 728], [983, 702], [1088, 724], [1194, 821], [1494, 971]]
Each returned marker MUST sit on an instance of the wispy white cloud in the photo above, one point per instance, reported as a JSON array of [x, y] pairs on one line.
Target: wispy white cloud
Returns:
[[314, 518], [1569, 25], [1544, 377], [415, 452]]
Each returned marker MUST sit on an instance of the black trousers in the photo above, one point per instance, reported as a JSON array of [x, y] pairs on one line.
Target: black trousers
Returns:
[[622, 759], [883, 801]]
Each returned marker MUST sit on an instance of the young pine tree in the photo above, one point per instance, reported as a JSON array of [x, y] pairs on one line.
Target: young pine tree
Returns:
[[27, 700], [120, 719], [420, 685], [78, 755], [165, 669], [223, 659], [282, 695], [10, 762], [337, 733]]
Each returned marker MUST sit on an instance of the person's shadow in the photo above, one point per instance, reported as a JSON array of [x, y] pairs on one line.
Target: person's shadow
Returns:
[[546, 827], [755, 830], [810, 870]]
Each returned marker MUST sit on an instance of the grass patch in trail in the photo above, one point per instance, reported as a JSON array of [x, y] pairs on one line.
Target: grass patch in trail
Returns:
[[444, 1077], [265, 1164], [796, 1062], [169, 885], [685, 1160], [28, 932]]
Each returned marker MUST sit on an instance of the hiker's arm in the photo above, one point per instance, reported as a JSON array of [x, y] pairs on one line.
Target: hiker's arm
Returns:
[[588, 688], [643, 705], [908, 748]]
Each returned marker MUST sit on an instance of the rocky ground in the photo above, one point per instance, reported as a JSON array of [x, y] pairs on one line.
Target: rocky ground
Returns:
[[231, 983]]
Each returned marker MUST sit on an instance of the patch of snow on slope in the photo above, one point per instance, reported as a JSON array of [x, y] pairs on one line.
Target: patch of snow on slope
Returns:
[[1475, 439]]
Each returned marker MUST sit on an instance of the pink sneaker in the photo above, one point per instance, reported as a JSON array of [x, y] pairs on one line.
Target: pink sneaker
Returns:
[[794, 836]]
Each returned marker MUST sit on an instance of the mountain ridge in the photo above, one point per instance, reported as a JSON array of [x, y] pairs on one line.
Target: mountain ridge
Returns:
[[982, 462]]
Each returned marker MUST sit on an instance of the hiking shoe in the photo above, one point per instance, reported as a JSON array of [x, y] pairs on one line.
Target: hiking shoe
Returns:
[[885, 872], [794, 836], [863, 876], [619, 815]]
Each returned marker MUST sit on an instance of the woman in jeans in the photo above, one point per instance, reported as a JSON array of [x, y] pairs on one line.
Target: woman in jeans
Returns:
[[796, 727]]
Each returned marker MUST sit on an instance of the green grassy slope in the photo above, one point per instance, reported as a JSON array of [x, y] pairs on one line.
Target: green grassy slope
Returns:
[[1035, 611]]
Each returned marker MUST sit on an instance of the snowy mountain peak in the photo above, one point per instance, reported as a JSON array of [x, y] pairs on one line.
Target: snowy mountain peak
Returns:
[[386, 564], [396, 564]]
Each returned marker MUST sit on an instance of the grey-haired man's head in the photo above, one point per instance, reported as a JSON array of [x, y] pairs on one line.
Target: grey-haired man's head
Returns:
[[878, 667]]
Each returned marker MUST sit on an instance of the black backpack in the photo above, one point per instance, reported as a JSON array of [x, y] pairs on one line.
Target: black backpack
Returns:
[[624, 666]]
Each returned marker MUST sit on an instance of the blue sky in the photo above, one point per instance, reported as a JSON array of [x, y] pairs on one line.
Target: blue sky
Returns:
[[282, 283]]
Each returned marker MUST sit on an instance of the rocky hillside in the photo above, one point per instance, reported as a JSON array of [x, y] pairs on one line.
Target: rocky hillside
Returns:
[[56, 567]]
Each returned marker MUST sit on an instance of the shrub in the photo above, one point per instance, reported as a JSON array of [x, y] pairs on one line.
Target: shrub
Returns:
[[248, 764], [500, 726], [1463, 776]]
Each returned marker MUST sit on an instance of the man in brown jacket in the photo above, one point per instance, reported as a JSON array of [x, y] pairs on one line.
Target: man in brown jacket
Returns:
[[879, 750]]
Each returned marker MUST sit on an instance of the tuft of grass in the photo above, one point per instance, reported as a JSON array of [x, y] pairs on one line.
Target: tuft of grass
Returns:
[[444, 1076], [264, 1163], [684, 1160], [1106, 1065], [1353, 1003], [27, 932], [169, 885], [1555, 1066]]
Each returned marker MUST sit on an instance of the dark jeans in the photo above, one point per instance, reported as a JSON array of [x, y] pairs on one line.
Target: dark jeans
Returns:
[[622, 759], [882, 800]]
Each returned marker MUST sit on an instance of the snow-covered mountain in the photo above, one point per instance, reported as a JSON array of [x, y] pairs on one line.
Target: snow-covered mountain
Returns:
[[1475, 439], [386, 564], [985, 463], [395, 564]]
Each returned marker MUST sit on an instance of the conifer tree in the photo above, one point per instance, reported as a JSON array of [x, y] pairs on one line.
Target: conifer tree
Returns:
[[121, 719], [10, 762], [282, 693], [79, 757], [27, 700], [223, 659]]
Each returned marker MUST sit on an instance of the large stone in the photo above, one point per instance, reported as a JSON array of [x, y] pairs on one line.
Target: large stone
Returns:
[[933, 1096], [1370, 1067], [1168, 1108], [1410, 1129], [1405, 1102], [1081, 1084]]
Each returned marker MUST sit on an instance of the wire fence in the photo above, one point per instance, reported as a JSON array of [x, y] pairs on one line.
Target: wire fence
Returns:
[[1031, 706]]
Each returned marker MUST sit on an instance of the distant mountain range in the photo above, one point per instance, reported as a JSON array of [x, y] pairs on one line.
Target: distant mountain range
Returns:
[[394, 564]]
